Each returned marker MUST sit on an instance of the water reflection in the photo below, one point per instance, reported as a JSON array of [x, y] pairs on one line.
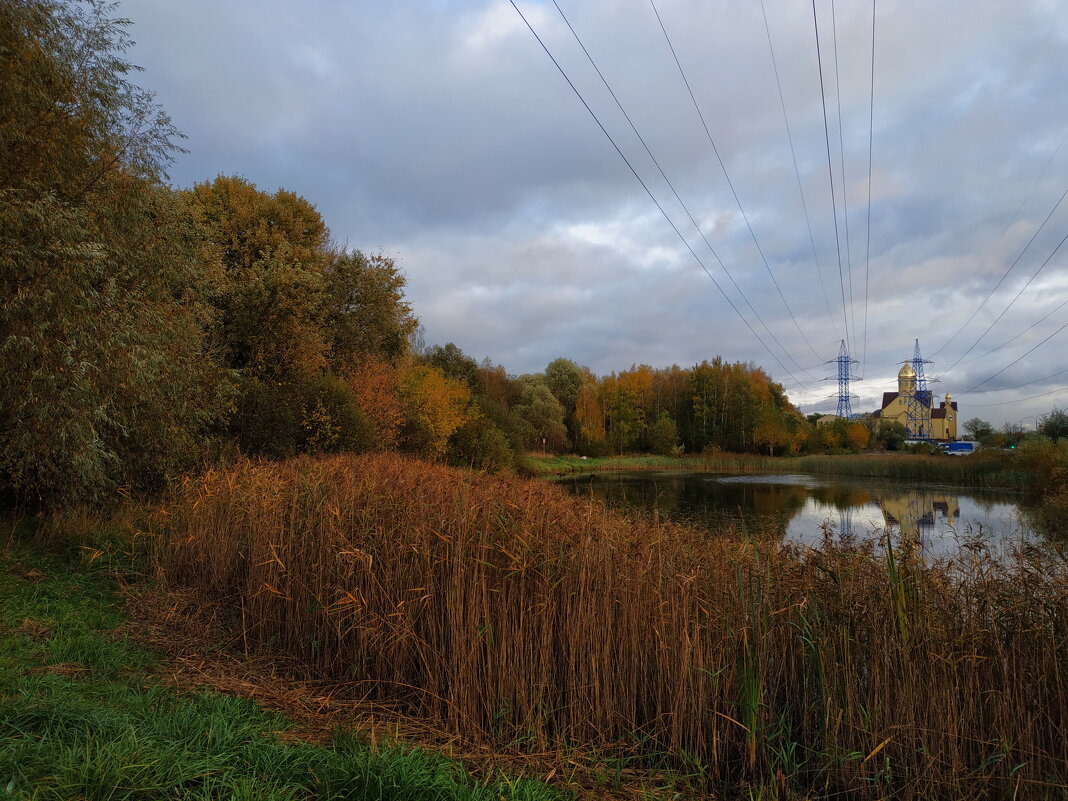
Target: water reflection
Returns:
[[808, 508]]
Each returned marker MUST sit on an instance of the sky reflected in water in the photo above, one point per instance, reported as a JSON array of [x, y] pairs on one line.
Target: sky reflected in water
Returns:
[[807, 508]]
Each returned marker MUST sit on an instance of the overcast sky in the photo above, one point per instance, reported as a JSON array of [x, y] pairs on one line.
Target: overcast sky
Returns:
[[442, 134]]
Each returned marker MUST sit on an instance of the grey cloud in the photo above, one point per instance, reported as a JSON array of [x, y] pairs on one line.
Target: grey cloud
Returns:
[[441, 133]]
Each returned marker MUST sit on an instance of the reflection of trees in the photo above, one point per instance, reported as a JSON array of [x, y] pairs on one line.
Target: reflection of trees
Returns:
[[841, 497], [766, 509]]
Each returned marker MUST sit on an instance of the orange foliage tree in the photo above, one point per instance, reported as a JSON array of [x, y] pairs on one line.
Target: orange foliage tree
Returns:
[[857, 435], [374, 383]]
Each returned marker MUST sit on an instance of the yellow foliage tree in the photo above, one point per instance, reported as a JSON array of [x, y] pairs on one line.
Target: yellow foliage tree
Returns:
[[589, 419], [434, 406], [770, 433]]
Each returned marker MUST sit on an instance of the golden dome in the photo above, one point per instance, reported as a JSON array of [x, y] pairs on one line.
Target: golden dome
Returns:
[[906, 371]]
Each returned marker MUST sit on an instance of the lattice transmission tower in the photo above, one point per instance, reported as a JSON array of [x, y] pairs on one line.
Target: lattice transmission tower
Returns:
[[918, 398], [845, 378]]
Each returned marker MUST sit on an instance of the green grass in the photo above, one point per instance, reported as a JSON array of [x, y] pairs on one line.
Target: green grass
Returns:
[[83, 715], [547, 465], [537, 464]]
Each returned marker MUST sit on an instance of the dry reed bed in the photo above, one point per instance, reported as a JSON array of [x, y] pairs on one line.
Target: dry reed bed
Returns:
[[507, 611]]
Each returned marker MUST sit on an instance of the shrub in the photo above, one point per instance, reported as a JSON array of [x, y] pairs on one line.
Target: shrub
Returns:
[[320, 414]]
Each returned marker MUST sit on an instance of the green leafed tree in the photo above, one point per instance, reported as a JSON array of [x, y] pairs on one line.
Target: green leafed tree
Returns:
[[663, 435], [1054, 424], [978, 429], [540, 417], [456, 364], [366, 313], [107, 378]]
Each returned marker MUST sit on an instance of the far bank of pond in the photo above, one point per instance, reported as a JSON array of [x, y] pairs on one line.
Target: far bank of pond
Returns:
[[806, 508]]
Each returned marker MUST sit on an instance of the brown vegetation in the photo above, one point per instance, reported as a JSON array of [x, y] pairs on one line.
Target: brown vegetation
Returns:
[[506, 611]]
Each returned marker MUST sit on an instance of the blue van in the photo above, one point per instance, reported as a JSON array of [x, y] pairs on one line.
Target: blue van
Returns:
[[959, 448]]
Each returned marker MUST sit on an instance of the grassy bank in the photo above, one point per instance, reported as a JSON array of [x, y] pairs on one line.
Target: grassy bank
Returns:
[[84, 714], [550, 465], [1029, 469], [510, 612]]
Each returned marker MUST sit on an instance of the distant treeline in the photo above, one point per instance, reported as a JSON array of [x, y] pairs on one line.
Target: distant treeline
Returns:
[[145, 331]]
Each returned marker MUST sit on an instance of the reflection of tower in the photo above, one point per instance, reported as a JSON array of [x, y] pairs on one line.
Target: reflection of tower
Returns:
[[917, 514], [845, 521]]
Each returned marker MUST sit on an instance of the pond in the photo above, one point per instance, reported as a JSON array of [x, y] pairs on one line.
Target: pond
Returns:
[[806, 508]]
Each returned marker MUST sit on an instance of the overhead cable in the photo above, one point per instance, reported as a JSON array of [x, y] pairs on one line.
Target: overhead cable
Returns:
[[730, 183], [797, 171], [1024, 384], [1015, 361], [841, 153], [871, 136], [667, 180], [1034, 275], [1004, 231], [1012, 266], [1021, 400], [652, 197], [830, 172], [1009, 341]]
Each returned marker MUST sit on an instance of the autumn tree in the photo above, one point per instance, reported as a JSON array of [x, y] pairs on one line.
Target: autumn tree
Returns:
[[589, 421], [374, 383], [272, 251], [856, 436], [771, 433], [434, 406]]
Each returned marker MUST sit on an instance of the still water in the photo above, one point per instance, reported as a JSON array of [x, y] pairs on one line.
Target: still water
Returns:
[[807, 508]]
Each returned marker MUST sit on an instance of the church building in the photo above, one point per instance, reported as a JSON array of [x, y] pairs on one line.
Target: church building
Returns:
[[941, 422]]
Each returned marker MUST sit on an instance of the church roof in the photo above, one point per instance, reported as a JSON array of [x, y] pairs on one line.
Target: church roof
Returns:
[[940, 412], [925, 398]]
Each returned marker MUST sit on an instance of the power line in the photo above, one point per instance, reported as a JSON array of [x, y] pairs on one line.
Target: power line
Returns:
[[797, 171], [871, 136], [1033, 325], [841, 152], [830, 171], [1014, 361], [652, 197], [730, 183], [667, 180], [1020, 400], [1012, 266], [1011, 303], [1024, 384], [1005, 230]]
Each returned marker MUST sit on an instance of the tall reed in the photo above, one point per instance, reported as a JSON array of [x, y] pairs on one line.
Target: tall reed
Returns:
[[510, 611], [984, 469]]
